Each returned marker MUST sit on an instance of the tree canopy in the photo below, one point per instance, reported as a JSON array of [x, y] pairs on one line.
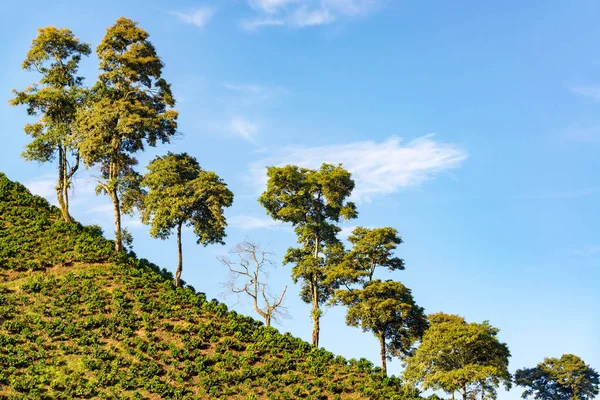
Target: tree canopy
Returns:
[[55, 54], [564, 378], [313, 201], [128, 108], [181, 193], [388, 310], [458, 356]]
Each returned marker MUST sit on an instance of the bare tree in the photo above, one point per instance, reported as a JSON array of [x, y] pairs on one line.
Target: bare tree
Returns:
[[248, 271]]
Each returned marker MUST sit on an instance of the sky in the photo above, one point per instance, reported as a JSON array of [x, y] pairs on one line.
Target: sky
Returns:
[[473, 128]]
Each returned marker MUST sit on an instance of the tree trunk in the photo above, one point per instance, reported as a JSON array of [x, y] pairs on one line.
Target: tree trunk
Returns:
[[117, 212], [179, 258], [482, 391], [316, 314], [383, 353], [267, 319], [60, 188], [464, 393], [452, 395]]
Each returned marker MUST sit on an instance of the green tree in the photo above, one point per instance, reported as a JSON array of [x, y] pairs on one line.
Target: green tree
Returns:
[[564, 378], [55, 54], [313, 201], [181, 193], [389, 311], [458, 356], [129, 107]]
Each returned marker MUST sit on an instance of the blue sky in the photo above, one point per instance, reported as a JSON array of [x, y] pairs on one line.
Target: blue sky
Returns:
[[473, 128]]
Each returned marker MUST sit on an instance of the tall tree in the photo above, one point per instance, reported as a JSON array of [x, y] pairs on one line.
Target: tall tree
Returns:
[[313, 201], [129, 107], [180, 193], [55, 54], [564, 378], [458, 356], [388, 310], [371, 249], [250, 265]]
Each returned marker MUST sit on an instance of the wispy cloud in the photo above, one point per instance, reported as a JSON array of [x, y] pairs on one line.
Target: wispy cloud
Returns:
[[307, 13], [251, 222], [587, 251], [253, 92], [199, 17], [585, 134], [592, 92], [244, 128], [377, 168]]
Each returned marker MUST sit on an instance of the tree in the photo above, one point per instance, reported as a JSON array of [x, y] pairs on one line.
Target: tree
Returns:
[[55, 54], [129, 107], [251, 266], [458, 356], [372, 249], [181, 193], [389, 311], [564, 378], [313, 201]]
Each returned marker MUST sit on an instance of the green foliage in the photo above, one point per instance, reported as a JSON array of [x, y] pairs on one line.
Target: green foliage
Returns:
[[33, 235], [55, 54], [128, 108], [119, 330], [313, 201], [388, 310], [371, 249], [564, 378], [458, 356], [181, 193]]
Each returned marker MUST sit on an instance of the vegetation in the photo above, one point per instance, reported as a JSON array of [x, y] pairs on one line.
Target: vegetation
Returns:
[[117, 329], [82, 318], [564, 378], [129, 107], [181, 193], [250, 265], [313, 201], [55, 55], [389, 311], [458, 356]]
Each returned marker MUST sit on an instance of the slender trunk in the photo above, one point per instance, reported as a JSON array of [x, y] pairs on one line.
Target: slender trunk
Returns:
[[179, 257], [60, 188], [117, 212], [482, 391], [383, 353], [316, 314], [452, 395], [267, 319], [464, 393]]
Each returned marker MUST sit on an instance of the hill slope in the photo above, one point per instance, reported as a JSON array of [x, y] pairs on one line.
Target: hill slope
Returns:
[[76, 322]]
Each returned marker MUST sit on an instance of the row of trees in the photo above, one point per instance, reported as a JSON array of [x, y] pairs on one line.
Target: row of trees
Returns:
[[131, 106]]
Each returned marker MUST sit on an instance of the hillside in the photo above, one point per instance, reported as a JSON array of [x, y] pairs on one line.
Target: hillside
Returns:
[[77, 322]]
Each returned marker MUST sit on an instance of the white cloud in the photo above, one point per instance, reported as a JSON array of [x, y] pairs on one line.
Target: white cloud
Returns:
[[199, 17], [251, 92], [377, 168], [251, 222], [305, 17], [243, 128], [270, 6], [307, 13], [587, 91], [253, 24]]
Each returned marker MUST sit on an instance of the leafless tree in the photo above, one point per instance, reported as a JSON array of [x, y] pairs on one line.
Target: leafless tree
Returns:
[[248, 266]]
